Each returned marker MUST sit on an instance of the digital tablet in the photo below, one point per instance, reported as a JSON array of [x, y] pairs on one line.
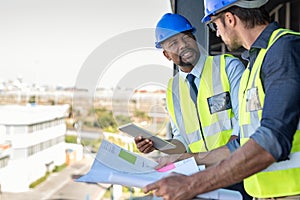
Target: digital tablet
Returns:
[[158, 143]]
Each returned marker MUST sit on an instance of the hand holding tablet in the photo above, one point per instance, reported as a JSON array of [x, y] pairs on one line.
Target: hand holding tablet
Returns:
[[158, 143]]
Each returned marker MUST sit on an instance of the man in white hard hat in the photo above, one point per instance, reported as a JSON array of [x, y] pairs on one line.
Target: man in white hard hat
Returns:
[[267, 155]]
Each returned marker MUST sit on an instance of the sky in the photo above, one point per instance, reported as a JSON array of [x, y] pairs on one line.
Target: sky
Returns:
[[48, 42]]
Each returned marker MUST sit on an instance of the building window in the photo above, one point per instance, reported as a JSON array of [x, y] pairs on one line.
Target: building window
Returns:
[[4, 161], [44, 125], [31, 150]]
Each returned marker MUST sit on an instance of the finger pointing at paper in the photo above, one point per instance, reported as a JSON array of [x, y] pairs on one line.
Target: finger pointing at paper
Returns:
[[170, 187]]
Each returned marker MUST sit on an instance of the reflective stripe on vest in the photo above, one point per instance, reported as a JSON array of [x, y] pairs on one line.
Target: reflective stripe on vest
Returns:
[[217, 127], [280, 178]]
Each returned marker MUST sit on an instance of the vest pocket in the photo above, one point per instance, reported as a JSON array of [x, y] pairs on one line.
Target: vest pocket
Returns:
[[219, 102], [252, 100]]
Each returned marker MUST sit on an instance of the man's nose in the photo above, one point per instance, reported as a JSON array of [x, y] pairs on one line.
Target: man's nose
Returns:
[[217, 33], [182, 44]]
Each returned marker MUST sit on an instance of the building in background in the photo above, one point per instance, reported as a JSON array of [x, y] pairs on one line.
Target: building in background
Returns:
[[32, 142]]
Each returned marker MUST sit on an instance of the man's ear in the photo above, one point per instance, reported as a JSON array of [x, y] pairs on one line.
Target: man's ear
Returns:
[[230, 18], [166, 55]]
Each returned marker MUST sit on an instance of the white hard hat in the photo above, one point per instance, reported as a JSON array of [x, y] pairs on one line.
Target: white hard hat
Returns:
[[250, 3]]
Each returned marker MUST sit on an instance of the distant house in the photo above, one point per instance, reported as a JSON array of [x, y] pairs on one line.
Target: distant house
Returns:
[[31, 143]]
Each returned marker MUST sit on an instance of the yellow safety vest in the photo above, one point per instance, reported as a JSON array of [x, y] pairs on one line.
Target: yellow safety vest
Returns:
[[210, 121], [281, 178]]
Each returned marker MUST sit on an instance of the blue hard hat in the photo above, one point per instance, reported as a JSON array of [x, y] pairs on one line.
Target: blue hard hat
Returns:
[[170, 25], [213, 7]]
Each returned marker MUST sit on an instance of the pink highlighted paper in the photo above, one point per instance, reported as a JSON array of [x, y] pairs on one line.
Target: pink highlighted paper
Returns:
[[167, 168]]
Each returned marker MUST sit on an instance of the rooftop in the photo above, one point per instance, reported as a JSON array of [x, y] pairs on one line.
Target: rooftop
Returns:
[[31, 114]]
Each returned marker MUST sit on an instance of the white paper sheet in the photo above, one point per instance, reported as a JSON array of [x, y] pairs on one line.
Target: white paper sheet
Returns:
[[116, 165], [129, 169], [120, 159]]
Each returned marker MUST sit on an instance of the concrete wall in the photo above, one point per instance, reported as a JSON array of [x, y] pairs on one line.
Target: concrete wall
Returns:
[[193, 10]]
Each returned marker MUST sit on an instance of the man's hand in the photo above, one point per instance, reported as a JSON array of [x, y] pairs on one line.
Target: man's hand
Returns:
[[143, 144], [173, 187], [244, 162]]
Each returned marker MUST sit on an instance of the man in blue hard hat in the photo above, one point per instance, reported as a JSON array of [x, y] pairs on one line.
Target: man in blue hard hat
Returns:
[[267, 156], [207, 117], [202, 99]]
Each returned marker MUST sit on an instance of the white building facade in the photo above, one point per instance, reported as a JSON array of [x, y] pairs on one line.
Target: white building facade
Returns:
[[32, 141]]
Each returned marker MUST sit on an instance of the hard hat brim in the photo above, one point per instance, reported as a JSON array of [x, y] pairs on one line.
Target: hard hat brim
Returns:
[[173, 33]]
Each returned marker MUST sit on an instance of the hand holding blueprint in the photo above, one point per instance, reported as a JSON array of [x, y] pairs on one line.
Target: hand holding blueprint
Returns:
[[116, 165]]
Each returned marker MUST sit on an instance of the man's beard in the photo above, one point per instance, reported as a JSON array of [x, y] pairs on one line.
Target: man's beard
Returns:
[[234, 45], [185, 64], [190, 64]]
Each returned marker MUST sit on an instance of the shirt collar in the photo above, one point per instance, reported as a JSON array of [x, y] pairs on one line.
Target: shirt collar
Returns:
[[263, 39], [197, 70]]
